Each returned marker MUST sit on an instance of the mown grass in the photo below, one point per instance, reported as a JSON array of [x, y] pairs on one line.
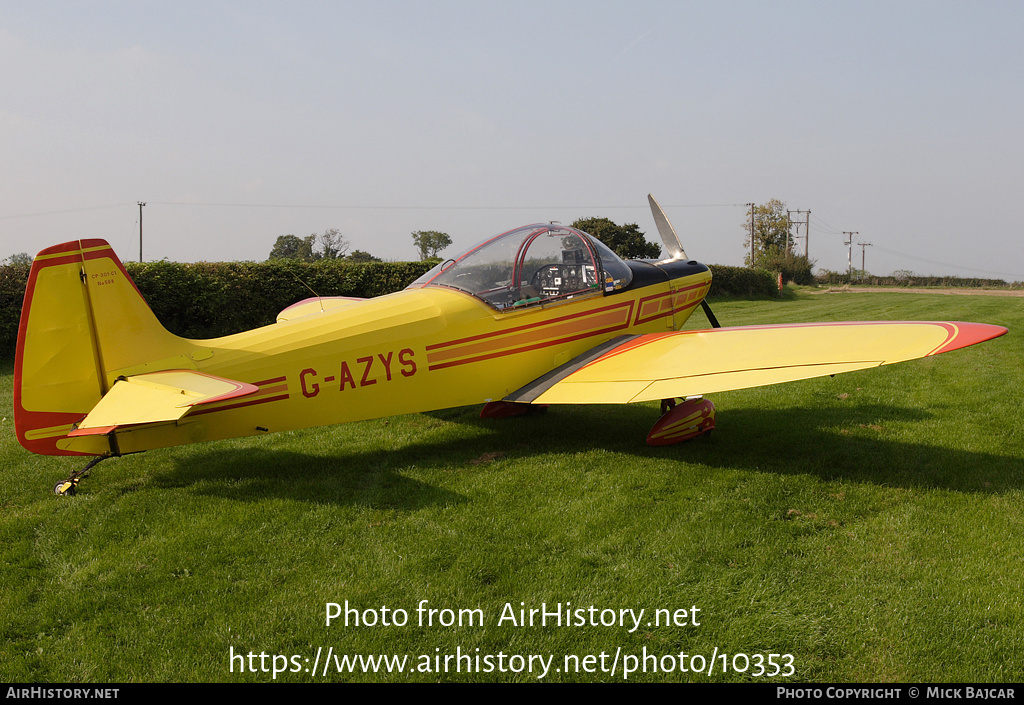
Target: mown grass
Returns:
[[867, 524]]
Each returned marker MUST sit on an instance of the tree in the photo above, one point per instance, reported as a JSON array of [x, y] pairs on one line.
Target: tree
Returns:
[[331, 244], [626, 241], [430, 242], [293, 247], [771, 232], [794, 268], [361, 256], [771, 244], [20, 258]]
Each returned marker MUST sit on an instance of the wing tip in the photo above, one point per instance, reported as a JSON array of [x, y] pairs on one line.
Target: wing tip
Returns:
[[967, 334]]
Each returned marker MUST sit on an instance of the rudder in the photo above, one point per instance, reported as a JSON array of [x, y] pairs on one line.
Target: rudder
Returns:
[[82, 320]]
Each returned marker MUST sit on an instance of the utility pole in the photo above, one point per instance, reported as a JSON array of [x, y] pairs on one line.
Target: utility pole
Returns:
[[863, 269], [849, 255], [141, 204], [789, 229], [751, 205], [807, 229]]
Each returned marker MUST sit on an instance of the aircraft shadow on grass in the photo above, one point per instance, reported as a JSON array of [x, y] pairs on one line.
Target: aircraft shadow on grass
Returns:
[[356, 479], [852, 444], [857, 442]]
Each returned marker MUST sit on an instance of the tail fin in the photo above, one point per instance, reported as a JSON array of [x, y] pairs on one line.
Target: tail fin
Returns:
[[83, 319]]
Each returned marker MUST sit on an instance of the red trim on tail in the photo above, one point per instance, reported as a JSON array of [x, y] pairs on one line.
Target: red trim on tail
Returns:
[[25, 421]]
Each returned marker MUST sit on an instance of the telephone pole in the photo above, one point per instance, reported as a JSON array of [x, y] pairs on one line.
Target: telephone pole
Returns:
[[141, 204], [849, 255], [751, 206], [807, 229], [863, 269]]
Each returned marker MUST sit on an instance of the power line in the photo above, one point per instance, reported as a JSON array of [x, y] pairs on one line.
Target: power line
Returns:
[[66, 210], [437, 208], [830, 229], [362, 207], [1019, 277]]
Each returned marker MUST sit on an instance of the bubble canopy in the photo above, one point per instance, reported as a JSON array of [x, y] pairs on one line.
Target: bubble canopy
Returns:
[[532, 265]]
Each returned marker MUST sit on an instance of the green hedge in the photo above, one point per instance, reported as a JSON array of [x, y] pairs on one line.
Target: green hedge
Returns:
[[12, 291], [743, 282], [831, 278], [210, 299]]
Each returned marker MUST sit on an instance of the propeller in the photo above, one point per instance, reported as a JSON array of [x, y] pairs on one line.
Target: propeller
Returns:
[[675, 248], [668, 233]]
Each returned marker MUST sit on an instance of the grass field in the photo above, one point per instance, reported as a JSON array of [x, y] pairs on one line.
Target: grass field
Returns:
[[868, 526]]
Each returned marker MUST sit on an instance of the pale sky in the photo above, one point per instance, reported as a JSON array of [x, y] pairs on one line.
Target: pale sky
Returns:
[[237, 122]]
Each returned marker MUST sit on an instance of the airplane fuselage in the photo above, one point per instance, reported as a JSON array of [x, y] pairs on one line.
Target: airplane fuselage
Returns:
[[411, 351]]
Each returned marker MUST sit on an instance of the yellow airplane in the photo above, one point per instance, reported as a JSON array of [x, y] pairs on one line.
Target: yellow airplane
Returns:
[[542, 314]]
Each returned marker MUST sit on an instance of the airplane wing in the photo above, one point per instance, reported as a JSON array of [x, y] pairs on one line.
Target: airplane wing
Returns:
[[691, 363], [157, 397]]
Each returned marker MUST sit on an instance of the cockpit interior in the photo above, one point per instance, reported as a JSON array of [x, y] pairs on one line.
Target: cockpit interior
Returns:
[[532, 265]]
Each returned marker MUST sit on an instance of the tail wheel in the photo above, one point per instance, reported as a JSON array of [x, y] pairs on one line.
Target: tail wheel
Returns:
[[65, 488], [68, 487]]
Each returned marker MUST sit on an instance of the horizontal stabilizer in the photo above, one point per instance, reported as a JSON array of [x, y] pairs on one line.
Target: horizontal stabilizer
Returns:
[[691, 363], [157, 397]]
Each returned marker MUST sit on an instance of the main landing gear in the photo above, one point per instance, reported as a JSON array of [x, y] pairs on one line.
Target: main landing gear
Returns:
[[508, 409], [692, 418], [66, 488]]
